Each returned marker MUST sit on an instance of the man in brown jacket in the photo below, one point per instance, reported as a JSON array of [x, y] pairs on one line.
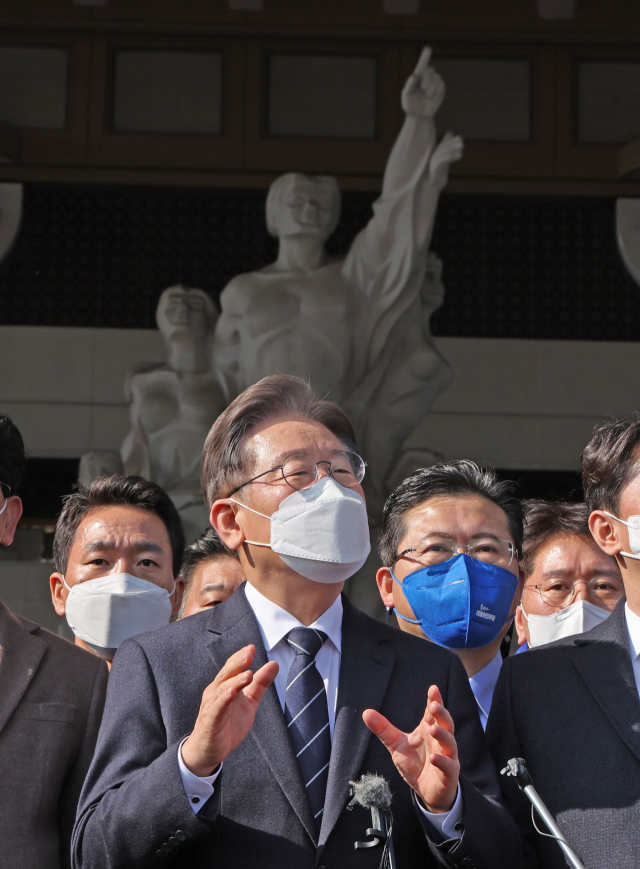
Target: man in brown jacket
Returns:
[[51, 699]]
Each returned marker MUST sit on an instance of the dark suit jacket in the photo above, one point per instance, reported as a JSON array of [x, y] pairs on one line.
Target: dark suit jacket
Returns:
[[51, 699], [571, 710], [134, 811]]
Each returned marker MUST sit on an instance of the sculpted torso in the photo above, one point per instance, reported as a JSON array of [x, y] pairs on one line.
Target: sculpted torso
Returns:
[[293, 322]]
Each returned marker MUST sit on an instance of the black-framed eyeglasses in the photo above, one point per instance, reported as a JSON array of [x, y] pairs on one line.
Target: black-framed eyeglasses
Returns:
[[300, 471], [5, 488], [604, 591], [491, 550]]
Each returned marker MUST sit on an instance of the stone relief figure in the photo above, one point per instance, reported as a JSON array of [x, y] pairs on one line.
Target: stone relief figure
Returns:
[[174, 405], [354, 326]]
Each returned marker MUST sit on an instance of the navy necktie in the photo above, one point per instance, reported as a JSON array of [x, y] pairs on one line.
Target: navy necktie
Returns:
[[307, 715]]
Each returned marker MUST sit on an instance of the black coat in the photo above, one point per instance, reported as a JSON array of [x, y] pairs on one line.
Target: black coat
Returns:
[[134, 811], [571, 710], [51, 699]]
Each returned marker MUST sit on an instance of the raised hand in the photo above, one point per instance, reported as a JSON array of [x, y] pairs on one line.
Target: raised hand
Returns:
[[423, 93], [427, 759], [227, 711], [448, 151]]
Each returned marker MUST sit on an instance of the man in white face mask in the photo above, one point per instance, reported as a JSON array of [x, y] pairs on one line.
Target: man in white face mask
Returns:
[[232, 736], [117, 550], [571, 708], [571, 585]]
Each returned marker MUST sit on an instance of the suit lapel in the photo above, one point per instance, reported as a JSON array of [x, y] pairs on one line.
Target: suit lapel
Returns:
[[233, 626], [365, 670], [20, 656], [603, 661]]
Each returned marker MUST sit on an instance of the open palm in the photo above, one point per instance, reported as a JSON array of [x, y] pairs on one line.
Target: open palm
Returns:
[[227, 711], [426, 758]]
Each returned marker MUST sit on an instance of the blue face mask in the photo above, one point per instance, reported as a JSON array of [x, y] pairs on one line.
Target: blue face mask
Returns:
[[461, 603]]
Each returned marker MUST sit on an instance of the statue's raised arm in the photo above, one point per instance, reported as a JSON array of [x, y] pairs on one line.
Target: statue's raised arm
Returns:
[[386, 263]]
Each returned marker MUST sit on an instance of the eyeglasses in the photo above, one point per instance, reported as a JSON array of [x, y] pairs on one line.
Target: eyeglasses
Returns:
[[300, 471], [5, 488], [558, 592], [491, 550]]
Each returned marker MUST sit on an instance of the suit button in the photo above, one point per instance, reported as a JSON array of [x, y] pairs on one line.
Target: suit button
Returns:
[[180, 834], [160, 853], [174, 841], [167, 848]]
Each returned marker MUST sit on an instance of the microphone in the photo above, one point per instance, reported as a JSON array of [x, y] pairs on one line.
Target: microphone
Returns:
[[372, 792], [517, 769]]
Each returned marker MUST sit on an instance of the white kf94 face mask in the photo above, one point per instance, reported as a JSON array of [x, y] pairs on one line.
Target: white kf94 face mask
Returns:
[[633, 524], [321, 532], [578, 618], [106, 611]]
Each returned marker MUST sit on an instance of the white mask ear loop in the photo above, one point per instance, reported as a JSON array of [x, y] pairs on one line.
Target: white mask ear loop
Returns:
[[626, 554], [252, 542], [6, 501]]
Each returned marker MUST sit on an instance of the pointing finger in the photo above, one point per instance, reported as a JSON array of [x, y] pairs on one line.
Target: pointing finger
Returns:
[[423, 62]]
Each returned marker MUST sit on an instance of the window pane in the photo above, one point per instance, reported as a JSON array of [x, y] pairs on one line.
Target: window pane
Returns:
[[486, 100], [33, 94], [322, 95], [167, 92], [608, 102]]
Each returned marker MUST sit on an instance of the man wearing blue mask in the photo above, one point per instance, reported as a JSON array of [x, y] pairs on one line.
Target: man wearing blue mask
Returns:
[[450, 539], [117, 549], [230, 738]]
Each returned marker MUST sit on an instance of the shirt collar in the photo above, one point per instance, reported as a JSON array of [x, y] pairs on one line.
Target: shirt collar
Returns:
[[633, 630], [484, 683], [275, 623]]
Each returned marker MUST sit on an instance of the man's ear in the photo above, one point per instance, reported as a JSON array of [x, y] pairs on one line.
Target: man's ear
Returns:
[[176, 600], [223, 519], [520, 621], [58, 593], [385, 586], [12, 514], [604, 532]]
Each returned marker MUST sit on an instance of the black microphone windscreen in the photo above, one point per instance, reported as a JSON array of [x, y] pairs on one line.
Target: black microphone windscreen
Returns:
[[372, 791]]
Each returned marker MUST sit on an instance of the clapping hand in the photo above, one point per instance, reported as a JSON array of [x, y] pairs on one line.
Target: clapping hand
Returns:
[[228, 709], [427, 759], [423, 93]]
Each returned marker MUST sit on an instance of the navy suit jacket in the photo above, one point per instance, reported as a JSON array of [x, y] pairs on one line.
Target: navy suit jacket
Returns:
[[134, 811], [571, 710]]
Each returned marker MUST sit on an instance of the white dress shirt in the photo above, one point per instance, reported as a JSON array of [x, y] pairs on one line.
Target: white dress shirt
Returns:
[[633, 631], [483, 685], [275, 623]]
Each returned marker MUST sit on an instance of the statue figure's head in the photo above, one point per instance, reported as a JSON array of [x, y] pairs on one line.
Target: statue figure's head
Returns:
[[185, 313], [303, 205]]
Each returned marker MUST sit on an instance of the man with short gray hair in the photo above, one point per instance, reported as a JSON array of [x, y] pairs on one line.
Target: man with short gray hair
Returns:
[[231, 737]]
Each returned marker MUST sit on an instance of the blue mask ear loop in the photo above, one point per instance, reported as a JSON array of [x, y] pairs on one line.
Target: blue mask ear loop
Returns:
[[398, 615]]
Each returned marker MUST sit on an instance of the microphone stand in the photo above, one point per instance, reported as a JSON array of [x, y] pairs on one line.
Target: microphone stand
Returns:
[[517, 768]]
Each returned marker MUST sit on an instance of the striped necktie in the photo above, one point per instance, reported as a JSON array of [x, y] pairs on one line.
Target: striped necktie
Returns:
[[307, 715]]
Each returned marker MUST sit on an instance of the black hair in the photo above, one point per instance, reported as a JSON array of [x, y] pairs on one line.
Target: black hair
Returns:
[[207, 547], [12, 457], [609, 462], [108, 491], [544, 520], [460, 477]]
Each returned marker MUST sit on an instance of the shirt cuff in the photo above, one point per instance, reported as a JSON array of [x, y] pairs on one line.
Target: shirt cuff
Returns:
[[448, 824], [198, 790]]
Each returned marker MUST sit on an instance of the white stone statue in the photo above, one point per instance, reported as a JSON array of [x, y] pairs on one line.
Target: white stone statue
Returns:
[[628, 234], [358, 326], [10, 215], [174, 405]]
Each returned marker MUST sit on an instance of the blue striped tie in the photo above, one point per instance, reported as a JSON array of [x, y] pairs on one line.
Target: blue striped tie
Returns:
[[307, 715]]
